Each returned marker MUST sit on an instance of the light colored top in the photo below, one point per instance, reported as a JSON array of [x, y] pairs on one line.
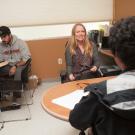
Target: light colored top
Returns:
[[14, 52]]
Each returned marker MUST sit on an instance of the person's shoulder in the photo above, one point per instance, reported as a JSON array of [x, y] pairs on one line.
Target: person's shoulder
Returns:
[[95, 86], [18, 40]]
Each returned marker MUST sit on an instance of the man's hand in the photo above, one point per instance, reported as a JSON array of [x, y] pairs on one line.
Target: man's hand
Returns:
[[12, 70]]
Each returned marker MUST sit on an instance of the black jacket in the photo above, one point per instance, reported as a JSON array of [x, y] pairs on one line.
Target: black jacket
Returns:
[[107, 112]]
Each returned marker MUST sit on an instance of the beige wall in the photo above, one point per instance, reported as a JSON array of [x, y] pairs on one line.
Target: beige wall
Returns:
[[44, 57]]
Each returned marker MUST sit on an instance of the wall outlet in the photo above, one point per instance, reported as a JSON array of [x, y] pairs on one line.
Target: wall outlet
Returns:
[[59, 61]]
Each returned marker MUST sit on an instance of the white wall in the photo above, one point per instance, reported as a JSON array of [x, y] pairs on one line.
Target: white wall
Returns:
[[50, 31]]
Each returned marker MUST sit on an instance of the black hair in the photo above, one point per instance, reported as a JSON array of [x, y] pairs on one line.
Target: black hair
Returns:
[[122, 41], [4, 30]]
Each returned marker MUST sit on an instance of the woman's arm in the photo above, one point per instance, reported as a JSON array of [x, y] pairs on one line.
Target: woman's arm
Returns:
[[68, 59], [69, 64]]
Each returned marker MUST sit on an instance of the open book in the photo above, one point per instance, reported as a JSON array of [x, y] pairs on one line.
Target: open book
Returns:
[[3, 63]]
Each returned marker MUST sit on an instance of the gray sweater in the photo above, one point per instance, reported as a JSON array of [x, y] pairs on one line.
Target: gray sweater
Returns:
[[15, 51], [70, 63]]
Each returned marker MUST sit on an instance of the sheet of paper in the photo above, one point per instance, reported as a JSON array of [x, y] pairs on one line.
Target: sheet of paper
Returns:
[[69, 100]]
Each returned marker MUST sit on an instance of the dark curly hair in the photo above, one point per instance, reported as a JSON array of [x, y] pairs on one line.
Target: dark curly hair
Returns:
[[122, 41]]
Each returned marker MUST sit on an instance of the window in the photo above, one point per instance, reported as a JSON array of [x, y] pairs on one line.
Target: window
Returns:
[[51, 31]]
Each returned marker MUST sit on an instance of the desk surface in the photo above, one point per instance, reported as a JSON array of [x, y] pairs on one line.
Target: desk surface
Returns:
[[61, 90]]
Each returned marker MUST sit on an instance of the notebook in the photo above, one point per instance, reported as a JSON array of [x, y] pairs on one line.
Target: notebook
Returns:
[[3, 63]]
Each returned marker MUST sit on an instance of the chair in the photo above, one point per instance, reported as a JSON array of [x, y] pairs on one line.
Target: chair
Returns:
[[9, 87], [1, 125], [63, 76], [63, 73], [1, 121], [25, 79]]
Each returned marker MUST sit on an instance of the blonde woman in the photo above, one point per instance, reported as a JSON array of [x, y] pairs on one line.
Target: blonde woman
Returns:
[[81, 55]]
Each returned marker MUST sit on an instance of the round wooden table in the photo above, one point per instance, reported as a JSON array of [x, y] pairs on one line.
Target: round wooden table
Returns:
[[61, 90]]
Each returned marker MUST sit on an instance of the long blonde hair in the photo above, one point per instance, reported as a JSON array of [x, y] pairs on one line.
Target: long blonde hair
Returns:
[[73, 44]]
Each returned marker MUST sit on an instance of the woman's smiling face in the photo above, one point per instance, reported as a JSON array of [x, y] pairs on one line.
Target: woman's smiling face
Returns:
[[80, 33]]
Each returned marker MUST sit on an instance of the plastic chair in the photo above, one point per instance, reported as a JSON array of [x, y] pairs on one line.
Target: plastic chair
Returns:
[[1, 121], [25, 80], [8, 88]]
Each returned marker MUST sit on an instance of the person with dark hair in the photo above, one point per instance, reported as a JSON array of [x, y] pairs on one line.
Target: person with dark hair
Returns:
[[117, 93], [82, 61], [15, 53], [13, 50]]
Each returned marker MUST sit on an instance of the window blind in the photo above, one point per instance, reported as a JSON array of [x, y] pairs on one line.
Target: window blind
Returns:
[[44, 12]]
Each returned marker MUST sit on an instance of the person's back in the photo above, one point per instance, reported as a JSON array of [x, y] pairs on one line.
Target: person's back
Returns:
[[118, 93]]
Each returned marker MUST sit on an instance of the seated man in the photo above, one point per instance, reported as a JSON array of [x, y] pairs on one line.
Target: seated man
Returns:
[[13, 50], [117, 93]]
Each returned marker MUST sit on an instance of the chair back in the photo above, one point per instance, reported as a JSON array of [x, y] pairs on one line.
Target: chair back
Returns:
[[26, 71]]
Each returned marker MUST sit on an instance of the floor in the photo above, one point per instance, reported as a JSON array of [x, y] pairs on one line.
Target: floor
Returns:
[[41, 122]]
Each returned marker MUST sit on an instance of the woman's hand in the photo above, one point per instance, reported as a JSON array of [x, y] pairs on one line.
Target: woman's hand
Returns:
[[71, 77], [93, 69]]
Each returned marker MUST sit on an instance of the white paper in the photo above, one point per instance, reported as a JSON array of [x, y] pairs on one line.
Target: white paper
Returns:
[[4, 63], [69, 100]]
